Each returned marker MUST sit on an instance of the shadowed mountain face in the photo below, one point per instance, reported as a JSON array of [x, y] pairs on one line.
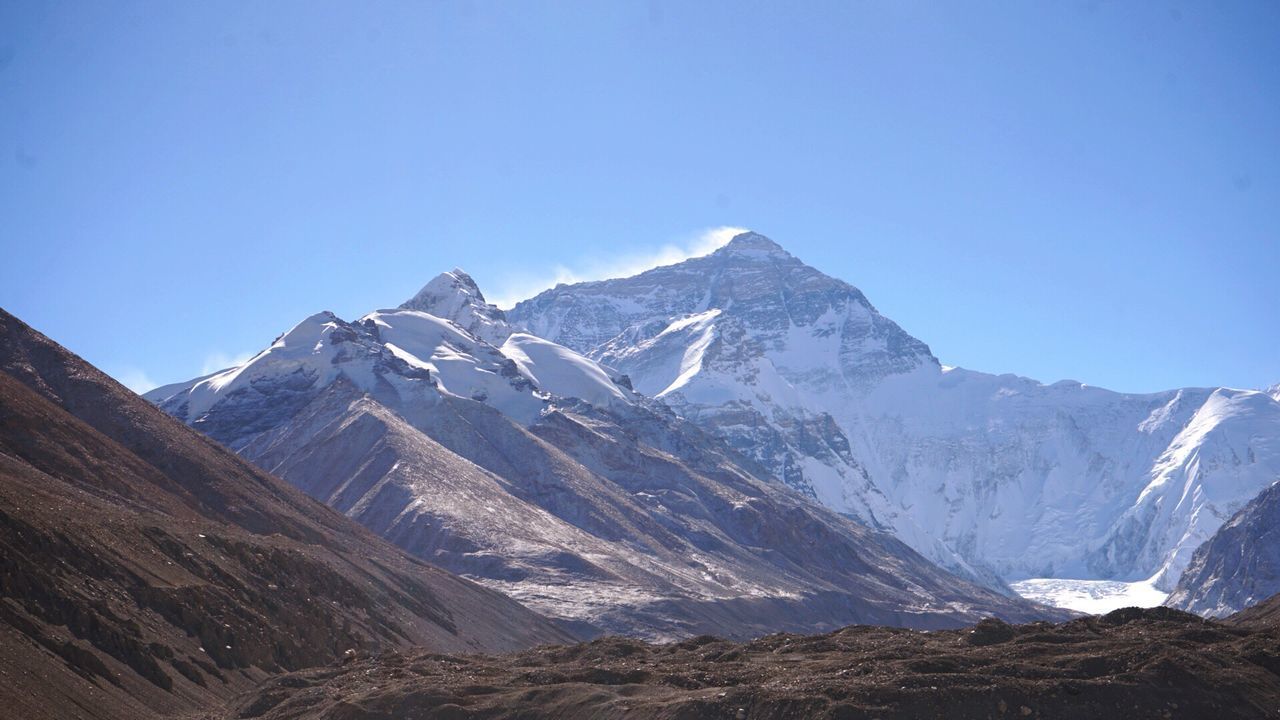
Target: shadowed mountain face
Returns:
[[537, 472], [1131, 663], [1239, 565], [145, 570], [994, 477]]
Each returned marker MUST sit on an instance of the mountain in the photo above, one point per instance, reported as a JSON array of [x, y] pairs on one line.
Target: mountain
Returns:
[[145, 571], [1239, 566], [1265, 613], [536, 471], [1153, 663], [455, 297], [994, 477]]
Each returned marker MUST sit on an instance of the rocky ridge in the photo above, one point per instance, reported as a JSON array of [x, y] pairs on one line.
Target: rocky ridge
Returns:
[[1157, 663]]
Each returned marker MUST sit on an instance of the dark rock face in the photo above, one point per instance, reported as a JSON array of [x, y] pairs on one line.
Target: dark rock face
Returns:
[[1134, 663], [146, 571], [1237, 567]]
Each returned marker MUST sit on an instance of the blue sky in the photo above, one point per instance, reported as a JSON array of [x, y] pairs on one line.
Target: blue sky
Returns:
[[1082, 190]]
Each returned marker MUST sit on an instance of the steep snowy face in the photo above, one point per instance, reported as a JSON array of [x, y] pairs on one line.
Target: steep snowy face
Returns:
[[1239, 566], [743, 340], [1218, 462], [460, 364], [455, 297], [1066, 480], [991, 476], [560, 371]]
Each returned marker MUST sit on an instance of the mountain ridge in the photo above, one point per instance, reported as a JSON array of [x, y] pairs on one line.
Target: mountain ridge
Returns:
[[542, 474]]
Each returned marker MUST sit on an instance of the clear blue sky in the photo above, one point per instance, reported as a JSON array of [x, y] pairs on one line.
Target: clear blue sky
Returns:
[[1083, 190]]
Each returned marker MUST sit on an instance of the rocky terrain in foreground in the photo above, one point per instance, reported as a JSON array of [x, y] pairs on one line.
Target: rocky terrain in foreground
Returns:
[[1131, 663]]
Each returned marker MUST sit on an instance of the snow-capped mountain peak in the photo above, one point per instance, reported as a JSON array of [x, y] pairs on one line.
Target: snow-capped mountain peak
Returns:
[[456, 297], [752, 244], [445, 287], [988, 475], [445, 341]]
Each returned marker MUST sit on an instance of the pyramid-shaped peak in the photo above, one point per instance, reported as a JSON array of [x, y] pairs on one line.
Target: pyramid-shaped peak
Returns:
[[454, 296], [461, 276], [753, 244], [448, 289]]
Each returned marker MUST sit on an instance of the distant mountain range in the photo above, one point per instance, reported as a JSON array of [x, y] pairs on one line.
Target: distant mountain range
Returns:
[[606, 451]]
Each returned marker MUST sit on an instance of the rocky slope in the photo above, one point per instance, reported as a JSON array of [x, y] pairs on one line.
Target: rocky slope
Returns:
[[1134, 663], [146, 571], [1239, 566], [991, 476], [534, 470]]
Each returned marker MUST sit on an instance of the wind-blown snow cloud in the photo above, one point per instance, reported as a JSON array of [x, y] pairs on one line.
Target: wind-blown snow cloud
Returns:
[[135, 379], [520, 288], [221, 361]]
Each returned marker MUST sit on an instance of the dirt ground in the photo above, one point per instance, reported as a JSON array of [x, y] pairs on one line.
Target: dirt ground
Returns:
[[1129, 664]]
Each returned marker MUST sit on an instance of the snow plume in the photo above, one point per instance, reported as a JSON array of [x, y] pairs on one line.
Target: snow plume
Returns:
[[213, 362], [135, 379], [618, 266]]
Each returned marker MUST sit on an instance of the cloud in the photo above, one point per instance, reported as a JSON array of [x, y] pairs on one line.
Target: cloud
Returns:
[[135, 379], [520, 288], [221, 361]]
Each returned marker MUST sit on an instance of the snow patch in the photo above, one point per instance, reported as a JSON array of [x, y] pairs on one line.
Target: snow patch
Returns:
[[560, 371]]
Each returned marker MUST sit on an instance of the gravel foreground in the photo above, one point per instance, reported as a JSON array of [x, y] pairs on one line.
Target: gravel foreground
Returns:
[[1131, 663]]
